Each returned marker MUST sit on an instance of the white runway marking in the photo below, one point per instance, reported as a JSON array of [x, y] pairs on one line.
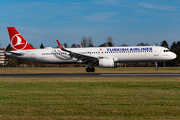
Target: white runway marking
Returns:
[[142, 74]]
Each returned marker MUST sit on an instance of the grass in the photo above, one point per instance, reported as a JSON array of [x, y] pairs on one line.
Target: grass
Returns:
[[98, 70], [90, 98]]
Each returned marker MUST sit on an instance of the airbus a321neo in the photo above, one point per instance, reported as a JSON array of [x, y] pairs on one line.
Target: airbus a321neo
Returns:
[[105, 57]]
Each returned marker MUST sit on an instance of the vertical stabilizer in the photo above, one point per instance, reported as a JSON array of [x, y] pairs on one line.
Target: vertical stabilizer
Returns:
[[17, 41]]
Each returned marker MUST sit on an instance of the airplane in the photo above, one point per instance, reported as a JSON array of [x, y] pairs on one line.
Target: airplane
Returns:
[[105, 57]]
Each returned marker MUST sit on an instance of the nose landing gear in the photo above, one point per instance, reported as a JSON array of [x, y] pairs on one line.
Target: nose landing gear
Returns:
[[156, 66]]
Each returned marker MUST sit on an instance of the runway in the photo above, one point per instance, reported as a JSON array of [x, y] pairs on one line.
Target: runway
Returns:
[[93, 75]]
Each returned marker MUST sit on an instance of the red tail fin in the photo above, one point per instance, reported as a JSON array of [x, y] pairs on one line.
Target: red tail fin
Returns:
[[17, 41]]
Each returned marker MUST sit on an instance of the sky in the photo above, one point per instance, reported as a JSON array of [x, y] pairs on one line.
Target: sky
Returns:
[[126, 21]]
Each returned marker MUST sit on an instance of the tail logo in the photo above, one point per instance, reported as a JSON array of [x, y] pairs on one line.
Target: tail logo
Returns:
[[18, 43]]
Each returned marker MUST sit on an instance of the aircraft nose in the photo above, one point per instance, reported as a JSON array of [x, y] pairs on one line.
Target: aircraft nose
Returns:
[[173, 55]]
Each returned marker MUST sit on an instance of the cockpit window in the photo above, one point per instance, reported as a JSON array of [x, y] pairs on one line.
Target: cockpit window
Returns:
[[167, 51]]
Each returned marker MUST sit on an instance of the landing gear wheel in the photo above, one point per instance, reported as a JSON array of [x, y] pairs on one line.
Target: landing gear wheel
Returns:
[[156, 68], [88, 69], [92, 69]]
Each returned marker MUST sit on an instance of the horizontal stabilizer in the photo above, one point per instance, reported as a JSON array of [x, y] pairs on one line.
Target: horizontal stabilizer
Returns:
[[14, 53]]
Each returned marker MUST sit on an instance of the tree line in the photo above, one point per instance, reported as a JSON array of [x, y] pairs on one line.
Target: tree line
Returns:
[[88, 42]]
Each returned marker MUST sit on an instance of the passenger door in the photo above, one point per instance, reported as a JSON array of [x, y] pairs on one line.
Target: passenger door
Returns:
[[156, 51]]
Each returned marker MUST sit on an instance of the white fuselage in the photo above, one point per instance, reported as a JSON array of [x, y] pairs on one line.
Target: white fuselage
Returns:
[[119, 54]]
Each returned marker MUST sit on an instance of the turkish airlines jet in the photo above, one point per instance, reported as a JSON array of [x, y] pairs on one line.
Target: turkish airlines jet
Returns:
[[105, 57]]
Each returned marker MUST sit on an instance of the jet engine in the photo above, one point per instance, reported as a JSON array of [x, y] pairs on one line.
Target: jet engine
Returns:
[[107, 63]]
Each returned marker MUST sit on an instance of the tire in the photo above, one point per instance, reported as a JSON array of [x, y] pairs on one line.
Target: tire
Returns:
[[156, 68], [92, 69], [88, 69]]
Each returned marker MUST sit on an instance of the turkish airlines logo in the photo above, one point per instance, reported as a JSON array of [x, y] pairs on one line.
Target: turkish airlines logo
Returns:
[[18, 42]]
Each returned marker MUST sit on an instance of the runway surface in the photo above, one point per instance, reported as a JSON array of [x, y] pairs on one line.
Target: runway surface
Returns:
[[93, 75]]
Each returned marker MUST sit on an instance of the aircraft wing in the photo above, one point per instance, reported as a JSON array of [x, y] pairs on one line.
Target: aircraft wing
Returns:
[[84, 58]]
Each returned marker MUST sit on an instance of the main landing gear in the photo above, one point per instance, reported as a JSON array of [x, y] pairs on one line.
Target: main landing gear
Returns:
[[156, 66], [88, 69]]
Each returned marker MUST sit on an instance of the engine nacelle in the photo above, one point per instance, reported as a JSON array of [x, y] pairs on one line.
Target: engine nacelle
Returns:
[[107, 63]]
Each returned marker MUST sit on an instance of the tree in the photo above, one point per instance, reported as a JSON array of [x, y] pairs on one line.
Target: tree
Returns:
[[90, 42], [124, 44], [74, 46], [109, 41], [84, 42], [8, 48], [87, 42], [41, 46], [175, 47], [143, 44], [164, 44], [103, 45], [65, 45], [178, 53], [11, 60]]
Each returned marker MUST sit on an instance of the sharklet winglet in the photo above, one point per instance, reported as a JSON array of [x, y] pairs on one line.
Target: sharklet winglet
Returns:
[[60, 46]]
